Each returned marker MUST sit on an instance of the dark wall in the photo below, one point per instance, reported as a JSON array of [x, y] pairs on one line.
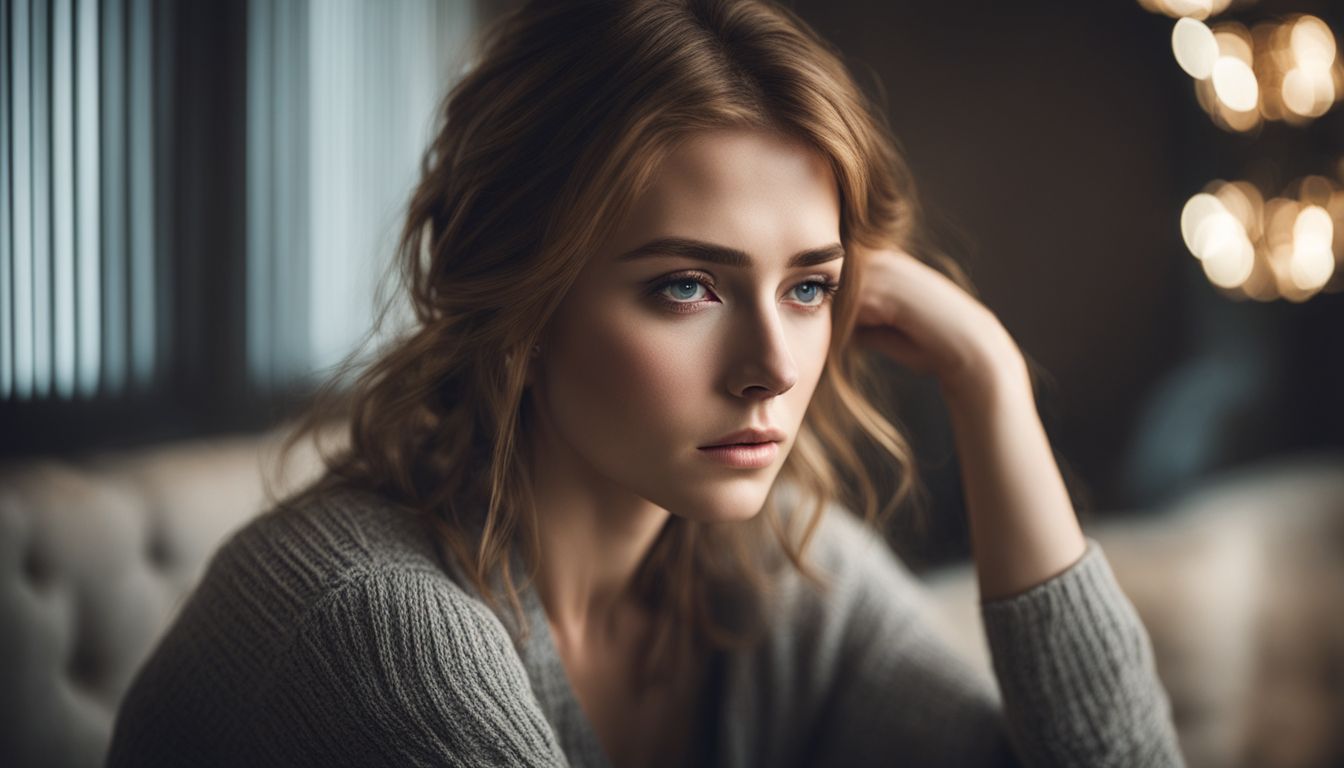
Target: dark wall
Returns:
[[1054, 145], [1042, 141]]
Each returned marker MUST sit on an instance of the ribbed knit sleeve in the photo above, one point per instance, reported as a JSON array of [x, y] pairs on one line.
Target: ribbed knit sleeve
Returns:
[[1076, 670], [1071, 658], [396, 667]]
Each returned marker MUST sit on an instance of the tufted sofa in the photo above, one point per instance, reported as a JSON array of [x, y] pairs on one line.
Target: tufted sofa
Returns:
[[1240, 585], [95, 557]]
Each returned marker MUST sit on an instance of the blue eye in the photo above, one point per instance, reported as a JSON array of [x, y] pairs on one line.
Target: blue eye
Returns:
[[683, 289], [823, 290], [683, 293]]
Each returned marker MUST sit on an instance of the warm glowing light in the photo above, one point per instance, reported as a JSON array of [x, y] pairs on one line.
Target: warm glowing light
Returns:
[[1198, 9], [1280, 217], [1243, 201], [1198, 210], [1261, 284], [1195, 47], [1235, 84], [1230, 263], [1280, 248], [1335, 205], [1235, 40], [1242, 122], [1280, 259], [1314, 190], [1222, 114], [1255, 202], [1276, 39], [1218, 235], [1308, 92], [1311, 266], [1312, 43], [1286, 69], [1313, 228]]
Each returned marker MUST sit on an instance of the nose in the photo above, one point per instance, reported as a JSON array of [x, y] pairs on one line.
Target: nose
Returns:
[[764, 366]]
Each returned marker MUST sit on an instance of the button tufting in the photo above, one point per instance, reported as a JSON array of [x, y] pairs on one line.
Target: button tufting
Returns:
[[84, 670], [157, 552], [35, 569]]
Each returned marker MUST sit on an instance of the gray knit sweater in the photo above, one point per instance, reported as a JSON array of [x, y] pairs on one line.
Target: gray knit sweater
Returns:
[[331, 634]]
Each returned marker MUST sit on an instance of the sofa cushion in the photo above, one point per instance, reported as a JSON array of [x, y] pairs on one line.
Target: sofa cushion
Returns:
[[95, 558]]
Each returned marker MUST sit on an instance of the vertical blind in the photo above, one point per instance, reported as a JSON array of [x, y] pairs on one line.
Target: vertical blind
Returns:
[[340, 102], [77, 275]]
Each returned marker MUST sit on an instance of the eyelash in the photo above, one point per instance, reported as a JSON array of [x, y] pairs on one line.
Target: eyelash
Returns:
[[827, 286]]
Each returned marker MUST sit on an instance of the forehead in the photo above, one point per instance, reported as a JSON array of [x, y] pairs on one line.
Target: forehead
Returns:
[[760, 192]]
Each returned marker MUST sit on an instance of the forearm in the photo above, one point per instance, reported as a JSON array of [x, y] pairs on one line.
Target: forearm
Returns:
[[1071, 657], [1023, 526]]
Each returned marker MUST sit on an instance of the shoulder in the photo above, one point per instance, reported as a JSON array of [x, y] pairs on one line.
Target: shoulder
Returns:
[[406, 668], [338, 602], [339, 562], [345, 524], [354, 561], [311, 545], [340, 551], [405, 622]]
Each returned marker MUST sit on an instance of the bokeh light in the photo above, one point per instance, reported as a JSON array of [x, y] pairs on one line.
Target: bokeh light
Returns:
[[1285, 69], [1287, 247], [1313, 44], [1193, 9], [1195, 47]]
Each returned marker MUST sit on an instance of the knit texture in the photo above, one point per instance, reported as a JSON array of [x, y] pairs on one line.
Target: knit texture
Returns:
[[331, 634]]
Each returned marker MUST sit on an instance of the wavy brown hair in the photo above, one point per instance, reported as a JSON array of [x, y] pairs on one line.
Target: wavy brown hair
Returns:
[[539, 151]]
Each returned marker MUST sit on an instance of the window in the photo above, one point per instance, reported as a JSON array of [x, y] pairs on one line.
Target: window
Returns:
[[341, 97], [196, 201]]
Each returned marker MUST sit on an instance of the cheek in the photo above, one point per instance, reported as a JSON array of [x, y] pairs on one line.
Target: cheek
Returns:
[[811, 344], [626, 384], [623, 382]]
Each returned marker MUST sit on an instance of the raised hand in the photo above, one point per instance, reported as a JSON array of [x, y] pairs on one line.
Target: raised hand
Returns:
[[1023, 526], [918, 317]]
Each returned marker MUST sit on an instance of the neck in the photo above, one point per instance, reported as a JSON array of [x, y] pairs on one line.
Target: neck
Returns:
[[594, 535]]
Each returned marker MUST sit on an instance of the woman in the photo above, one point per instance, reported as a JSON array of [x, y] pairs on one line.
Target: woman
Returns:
[[590, 511]]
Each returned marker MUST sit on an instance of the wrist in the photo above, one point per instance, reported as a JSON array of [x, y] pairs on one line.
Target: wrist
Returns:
[[993, 374]]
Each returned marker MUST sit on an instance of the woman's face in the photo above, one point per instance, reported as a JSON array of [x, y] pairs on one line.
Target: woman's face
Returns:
[[708, 312]]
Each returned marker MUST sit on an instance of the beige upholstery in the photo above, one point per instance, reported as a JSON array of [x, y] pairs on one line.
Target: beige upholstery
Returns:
[[1240, 586], [95, 557]]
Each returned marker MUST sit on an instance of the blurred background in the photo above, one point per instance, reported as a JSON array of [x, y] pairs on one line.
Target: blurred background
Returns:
[[198, 201]]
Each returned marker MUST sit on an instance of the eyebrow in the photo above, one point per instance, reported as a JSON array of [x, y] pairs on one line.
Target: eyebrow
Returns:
[[720, 254]]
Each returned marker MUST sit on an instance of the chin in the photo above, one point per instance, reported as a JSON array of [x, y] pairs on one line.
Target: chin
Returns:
[[724, 501]]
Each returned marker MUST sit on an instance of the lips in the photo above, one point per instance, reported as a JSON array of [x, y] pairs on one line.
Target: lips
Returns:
[[743, 456], [749, 436]]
